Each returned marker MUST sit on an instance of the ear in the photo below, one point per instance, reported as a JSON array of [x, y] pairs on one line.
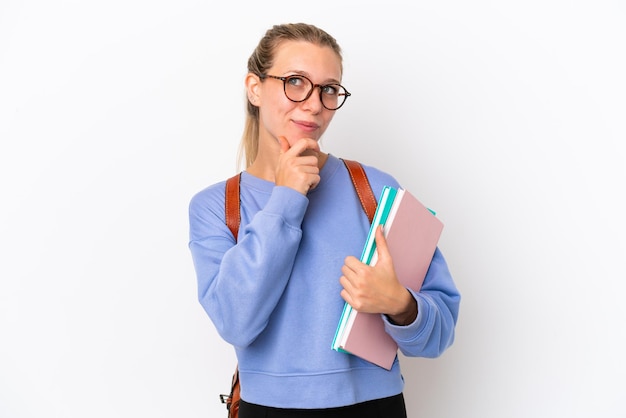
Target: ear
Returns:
[[253, 88]]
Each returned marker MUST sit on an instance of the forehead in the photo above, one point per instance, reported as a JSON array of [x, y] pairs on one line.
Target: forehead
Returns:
[[308, 58]]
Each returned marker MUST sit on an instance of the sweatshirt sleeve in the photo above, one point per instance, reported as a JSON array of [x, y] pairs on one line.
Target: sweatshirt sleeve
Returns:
[[240, 283], [438, 302]]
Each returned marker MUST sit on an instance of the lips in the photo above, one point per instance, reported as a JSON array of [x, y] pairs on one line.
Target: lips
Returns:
[[307, 126]]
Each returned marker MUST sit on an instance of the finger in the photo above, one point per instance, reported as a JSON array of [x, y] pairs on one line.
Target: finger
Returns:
[[284, 144], [351, 263], [344, 282], [306, 146], [312, 148], [345, 295]]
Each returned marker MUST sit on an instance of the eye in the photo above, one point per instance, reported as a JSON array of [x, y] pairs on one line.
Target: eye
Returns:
[[296, 81], [330, 90]]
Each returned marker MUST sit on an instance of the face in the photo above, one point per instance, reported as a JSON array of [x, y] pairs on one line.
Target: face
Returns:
[[279, 115]]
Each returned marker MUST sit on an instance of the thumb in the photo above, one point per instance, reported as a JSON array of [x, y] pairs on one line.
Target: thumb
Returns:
[[381, 244], [284, 144]]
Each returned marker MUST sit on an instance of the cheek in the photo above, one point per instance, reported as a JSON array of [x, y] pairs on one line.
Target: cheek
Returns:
[[272, 116], [276, 100], [275, 111], [274, 120]]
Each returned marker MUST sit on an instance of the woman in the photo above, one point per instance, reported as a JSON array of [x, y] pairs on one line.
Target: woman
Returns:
[[276, 292]]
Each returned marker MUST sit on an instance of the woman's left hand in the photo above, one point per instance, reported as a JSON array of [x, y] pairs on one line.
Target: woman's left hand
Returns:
[[376, 289]]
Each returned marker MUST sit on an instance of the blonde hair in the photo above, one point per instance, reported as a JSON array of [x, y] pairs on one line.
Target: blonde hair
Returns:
[[261, 60]]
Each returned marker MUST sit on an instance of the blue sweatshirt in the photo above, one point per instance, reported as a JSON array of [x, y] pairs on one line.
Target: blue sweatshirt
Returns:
[[275, 294]]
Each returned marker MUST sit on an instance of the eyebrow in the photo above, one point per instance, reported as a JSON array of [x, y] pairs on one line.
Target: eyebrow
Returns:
[[307, 75]]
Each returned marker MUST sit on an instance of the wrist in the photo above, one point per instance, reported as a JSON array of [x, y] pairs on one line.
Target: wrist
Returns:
[[408, 314]]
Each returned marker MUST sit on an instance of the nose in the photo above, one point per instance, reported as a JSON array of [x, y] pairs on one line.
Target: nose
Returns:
[[314, 101]]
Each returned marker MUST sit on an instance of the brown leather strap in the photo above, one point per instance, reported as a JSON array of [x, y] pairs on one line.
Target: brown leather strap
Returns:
[[362, 187], [231, 203]]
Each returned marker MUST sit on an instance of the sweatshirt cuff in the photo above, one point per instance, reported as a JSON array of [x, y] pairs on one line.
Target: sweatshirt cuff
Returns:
[[408, 332], [288, 204]]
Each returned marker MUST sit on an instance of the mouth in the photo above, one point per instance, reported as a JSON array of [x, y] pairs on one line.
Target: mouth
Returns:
[[306, 126]]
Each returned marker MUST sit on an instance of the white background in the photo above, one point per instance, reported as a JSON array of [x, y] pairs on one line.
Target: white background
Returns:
[[507, 118]]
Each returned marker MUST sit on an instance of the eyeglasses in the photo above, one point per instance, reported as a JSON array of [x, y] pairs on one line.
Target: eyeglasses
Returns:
[[298, 88]]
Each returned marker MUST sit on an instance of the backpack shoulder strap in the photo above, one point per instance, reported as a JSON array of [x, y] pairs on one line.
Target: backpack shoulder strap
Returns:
[[231, 204], [357, 175], [362, 187]]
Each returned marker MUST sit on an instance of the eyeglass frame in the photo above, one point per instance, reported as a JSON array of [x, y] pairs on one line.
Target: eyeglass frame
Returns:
[[308, 95]]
